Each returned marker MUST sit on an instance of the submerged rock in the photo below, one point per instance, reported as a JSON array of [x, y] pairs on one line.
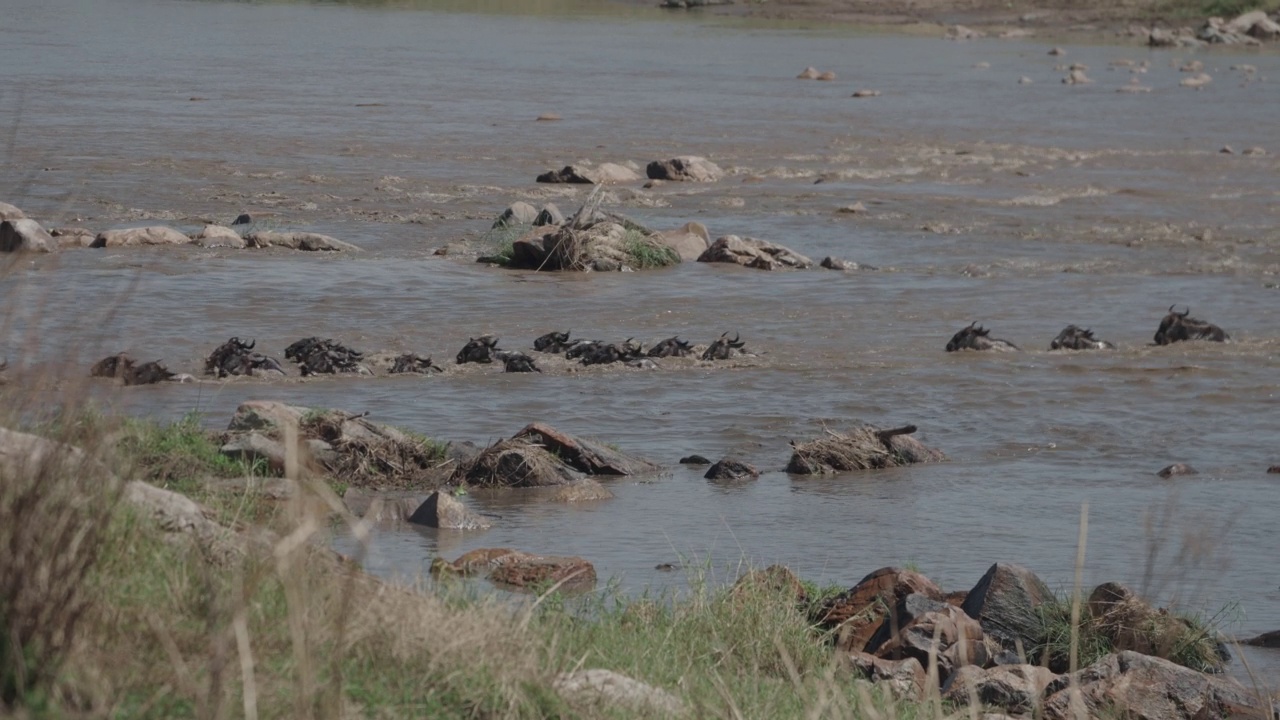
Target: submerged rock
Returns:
[[585, 456], [864, 448], [689, 168], [732, 469], [1177, 469], [753, 253], [441, 510], [520, 569], [311, 242], [602, 174], [213, 236]]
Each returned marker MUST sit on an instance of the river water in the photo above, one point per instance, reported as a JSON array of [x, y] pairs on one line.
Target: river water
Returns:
[[403, 127]]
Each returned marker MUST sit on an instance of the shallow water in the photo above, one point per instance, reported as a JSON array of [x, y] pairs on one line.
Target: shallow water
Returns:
[[1024, 207]]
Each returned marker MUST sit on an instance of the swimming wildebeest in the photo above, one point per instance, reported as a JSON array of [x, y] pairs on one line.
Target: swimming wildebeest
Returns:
[[976, 337], [582, 348], [315, 356], [517, 362], [413, 363], [1073, 337], [602, 354], [236, 357], [671, 347], [1177, 327], [554, 342], [479, 350], [125, 368], [724, 348]]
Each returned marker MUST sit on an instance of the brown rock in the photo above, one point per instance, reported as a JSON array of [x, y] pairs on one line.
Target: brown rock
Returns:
[[548, 117], [688, 168], [441, 510], [689, 241], [585, 456], [864, 448], [1017, 689], [904, 678], [858, 612], [1177, 469], [959, 641], [525, 571], [154, 235], [1274, 469], [1141, 687], [1006, 602]]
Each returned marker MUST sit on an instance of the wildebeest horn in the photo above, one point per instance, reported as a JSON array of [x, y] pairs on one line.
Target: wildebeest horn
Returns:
[[972, 325], [737, 337], [1187, 311]]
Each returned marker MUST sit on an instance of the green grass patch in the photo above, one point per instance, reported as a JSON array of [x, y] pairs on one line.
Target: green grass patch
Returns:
[[645, 253], [499, 243]]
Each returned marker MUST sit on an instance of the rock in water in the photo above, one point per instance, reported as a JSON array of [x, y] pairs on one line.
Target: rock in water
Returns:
[[154, 235], [864, 448], [753, 253], [585, 456], [25, 235], [441, 510], [1006, 602], [732, 469], [691, 168]]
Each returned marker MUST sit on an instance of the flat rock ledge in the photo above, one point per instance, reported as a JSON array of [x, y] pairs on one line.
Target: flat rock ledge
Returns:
[[754, 253]]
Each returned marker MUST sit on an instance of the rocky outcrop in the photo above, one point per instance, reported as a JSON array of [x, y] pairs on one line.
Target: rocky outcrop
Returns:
[[311, 242], [213, 236], [732, 469], [688, 241], [153, 235], [1130, 623], [753, 253], [520, 569], [602, 174], [1006, 601], [585, 456], [856, 614], [25, 235], [904, 679], [441, 510], [945, 635], [608, 690], [1133, 685], [864, 448], [689, 168], [603, 242], [516, 463], [73, 237], [1017, 689]]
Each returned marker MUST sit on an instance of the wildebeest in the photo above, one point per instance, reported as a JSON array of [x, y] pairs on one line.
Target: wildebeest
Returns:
[[671, 347], [413, 363], [724, 348], [517, 362], [603, 354], [582, 348], [553, 342], [1177, 327], [236, 357], [1073, 337], [315, 356], [976, 337], [125, 368], [479, 350]]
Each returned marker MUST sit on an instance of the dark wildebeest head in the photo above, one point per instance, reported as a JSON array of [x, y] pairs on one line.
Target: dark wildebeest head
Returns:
[[976, 337], [671, 347], [1177, 327], [517, 362], [412, 363], [299, 350], [147, 373], [602, 354], [478, 350], [236, 357], [1073, 337], [724, 348], [553, 342], [112, 366]]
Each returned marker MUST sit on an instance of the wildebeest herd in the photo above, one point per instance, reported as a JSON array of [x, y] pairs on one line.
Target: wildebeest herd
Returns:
[[1175, 327], [315, 356]]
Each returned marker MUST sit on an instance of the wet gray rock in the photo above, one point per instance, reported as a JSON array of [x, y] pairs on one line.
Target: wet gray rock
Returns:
[[73, 236], [24, 235], [212, 236], [10, 212], [1006, 602], [732, 469], [1133, 685], [586, 456], [441, 510], [310, 242], [549, 215], [753, 253], [1177, 469], [834, 263], [602, 174], [608, 690], [153, 235], [517, 213], [689, 168]]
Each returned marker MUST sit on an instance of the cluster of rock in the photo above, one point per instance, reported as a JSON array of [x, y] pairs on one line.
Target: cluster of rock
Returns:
[[1251, 28], [685, 168], [994, 645], [18, 233]]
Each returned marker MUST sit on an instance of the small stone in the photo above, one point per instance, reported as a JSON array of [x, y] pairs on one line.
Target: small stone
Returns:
[[694, 460], [809, 73], [834, 263], [1177, 469], [1057, 51], [1024, 80], [1076, 77], [853, 209], [1196, 81], [826, 76], [984, 65], [1192, 66], [1226, 150], [548, 117], [866, 93], [242, 219], [1255, 151]]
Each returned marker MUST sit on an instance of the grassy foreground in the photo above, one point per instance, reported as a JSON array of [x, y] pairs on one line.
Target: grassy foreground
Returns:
[[107, 614]]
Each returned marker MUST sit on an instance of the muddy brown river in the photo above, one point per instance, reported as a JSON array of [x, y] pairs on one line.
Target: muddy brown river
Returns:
[[403, 127]]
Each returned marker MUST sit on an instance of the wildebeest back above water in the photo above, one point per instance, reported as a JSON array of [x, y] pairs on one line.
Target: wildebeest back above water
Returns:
[[864, 448], [479, 350], [130, 371], [1179, 327], [315, 356], [976, 337], [1074, 337], [236, 357]]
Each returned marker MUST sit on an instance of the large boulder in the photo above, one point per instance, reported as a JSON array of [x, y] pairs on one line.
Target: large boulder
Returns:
[[1140, 687], [688, 168], [25, 235], [857, 613], [864, 448], [610, 691], [1017, 689], [903, 678], [441, 510], [313, 242], [212, 236], [517, 213], [153, 235], [753, 253], [585, 456], [1006, 601], [688, 241], [602, 174], [10, 212]]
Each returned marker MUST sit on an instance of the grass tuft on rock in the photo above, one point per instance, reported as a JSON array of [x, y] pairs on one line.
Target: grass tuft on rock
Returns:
[[645, 253]]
